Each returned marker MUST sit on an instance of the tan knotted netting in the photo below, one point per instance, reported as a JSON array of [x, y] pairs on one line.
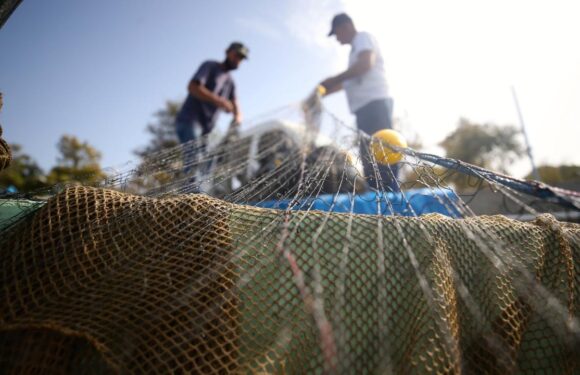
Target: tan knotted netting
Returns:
[[281, 250], [99, 281]]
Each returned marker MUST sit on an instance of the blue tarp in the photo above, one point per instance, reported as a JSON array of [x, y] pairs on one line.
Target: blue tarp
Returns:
[[410, 203]]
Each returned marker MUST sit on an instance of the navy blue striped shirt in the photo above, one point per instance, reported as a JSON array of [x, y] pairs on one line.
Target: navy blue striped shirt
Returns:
[[216, 79]]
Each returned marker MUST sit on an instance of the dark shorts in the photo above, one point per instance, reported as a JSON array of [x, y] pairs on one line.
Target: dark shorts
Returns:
[[186, 130], [375, 116]]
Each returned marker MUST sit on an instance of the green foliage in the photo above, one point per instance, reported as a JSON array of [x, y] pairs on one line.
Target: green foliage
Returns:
[[157, 172], [76, 154], [554, 175], [23, 172], [88, 175], [162, 131], [489, 146], [78, 162]]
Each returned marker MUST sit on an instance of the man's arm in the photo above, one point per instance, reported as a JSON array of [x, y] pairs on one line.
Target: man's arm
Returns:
[[331, 89], [364, 62], [201, 92]]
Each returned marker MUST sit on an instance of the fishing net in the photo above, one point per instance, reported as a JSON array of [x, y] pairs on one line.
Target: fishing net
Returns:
[[271, 252], [5, 154]]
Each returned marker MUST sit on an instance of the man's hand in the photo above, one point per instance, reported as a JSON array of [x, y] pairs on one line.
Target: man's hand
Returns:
[[365, 61], [233, 131], [201, 92], [226, 105], [331, 85], [237, 113]]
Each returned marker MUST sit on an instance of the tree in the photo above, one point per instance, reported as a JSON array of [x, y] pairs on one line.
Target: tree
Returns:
[[556, 175], [155, 171], [162, 131], [78, 162], [23, 173], [489, 146]]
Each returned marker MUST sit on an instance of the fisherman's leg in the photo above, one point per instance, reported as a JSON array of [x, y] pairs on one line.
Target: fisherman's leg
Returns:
[[375, 116], [186, 136]]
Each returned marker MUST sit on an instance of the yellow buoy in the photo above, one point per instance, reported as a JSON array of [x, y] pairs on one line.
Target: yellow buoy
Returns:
[[383, 154]]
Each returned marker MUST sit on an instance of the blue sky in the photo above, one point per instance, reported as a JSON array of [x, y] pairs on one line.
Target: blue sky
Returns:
[[100, 70]]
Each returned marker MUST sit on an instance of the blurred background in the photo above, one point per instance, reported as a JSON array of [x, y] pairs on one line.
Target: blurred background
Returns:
[[85, 83]]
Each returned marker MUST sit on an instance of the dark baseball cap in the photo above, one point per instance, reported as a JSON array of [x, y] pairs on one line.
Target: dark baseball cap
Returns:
[[239, 48], [338, 20]]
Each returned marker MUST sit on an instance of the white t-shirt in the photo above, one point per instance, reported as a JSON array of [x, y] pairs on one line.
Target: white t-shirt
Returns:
[[372, 85]]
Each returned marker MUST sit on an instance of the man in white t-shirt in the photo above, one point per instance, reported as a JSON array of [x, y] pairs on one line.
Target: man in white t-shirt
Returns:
[[367, 92]]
